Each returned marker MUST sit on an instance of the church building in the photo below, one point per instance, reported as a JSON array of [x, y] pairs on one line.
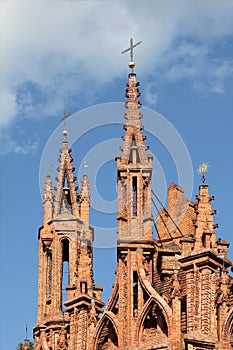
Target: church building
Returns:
[[172, 288]]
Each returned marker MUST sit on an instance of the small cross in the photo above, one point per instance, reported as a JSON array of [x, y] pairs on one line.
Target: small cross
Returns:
[[63, 119], [132, 46]]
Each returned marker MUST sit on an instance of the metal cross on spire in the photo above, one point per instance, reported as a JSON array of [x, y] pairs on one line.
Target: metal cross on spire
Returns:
[[63, 119], [132, 46]]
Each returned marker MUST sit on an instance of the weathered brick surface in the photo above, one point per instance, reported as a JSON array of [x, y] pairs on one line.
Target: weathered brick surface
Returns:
[[172, 292]]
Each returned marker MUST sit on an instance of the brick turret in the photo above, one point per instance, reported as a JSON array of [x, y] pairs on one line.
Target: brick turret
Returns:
[[85, 199], [205, 235], [204, 268], [66, 289]]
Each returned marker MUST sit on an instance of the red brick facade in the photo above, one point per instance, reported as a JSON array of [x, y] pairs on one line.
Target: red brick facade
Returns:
[[172, 292]]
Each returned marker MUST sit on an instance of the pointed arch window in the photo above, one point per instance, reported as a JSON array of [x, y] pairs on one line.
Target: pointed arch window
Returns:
[[134, 196], [135, 293], [66, 206], [134, 156], [155, 324], [108, 338]]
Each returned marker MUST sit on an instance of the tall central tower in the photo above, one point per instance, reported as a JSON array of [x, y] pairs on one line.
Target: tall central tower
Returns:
[[167, 289], [134, 170], [133, 296]]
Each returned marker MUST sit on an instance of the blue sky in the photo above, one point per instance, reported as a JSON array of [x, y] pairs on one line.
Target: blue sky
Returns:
[[66, 54]]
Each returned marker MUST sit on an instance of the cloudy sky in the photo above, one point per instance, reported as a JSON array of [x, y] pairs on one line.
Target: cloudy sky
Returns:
[[67, 54]]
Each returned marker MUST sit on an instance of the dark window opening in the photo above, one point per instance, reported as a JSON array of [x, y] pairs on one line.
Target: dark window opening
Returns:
[[134, 156], [66, 199], [134, 196], [145, 296], [65, 250], [151, 322], [65, 270], [135, 293], [83, 287], [133, 141], [49, 275], [206, 240], [108, 338], [116, 307], [155, 323], [183, 314]]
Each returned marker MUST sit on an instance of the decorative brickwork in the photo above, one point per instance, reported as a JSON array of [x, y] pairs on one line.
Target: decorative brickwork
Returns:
[[171, 291]]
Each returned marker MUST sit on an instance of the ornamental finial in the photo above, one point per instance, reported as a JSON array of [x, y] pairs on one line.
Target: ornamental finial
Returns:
[[202, 169], [131, 64], [85, 166]]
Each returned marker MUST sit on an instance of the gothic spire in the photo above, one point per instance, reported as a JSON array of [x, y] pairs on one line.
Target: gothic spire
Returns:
[[66, 195], [204, 223], [134, 149], [134, 167]]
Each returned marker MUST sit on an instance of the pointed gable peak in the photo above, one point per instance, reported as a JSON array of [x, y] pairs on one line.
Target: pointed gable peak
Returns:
[[66, 195], [66, 168]]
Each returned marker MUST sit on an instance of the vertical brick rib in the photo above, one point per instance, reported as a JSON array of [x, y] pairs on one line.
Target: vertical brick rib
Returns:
[[190, 301], [205, 300]]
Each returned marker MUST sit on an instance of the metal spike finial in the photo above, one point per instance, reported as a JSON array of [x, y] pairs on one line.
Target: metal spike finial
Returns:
[[26, 329], [132, 46], [85, 166], [202, 169]]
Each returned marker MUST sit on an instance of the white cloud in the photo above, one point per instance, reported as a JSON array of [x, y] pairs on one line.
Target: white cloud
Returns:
[[150, 94], [10, 144], [8, 106], [52, 51]]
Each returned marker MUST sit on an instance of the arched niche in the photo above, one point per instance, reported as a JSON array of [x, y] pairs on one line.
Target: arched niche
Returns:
[[152, 326], [106, 335]]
